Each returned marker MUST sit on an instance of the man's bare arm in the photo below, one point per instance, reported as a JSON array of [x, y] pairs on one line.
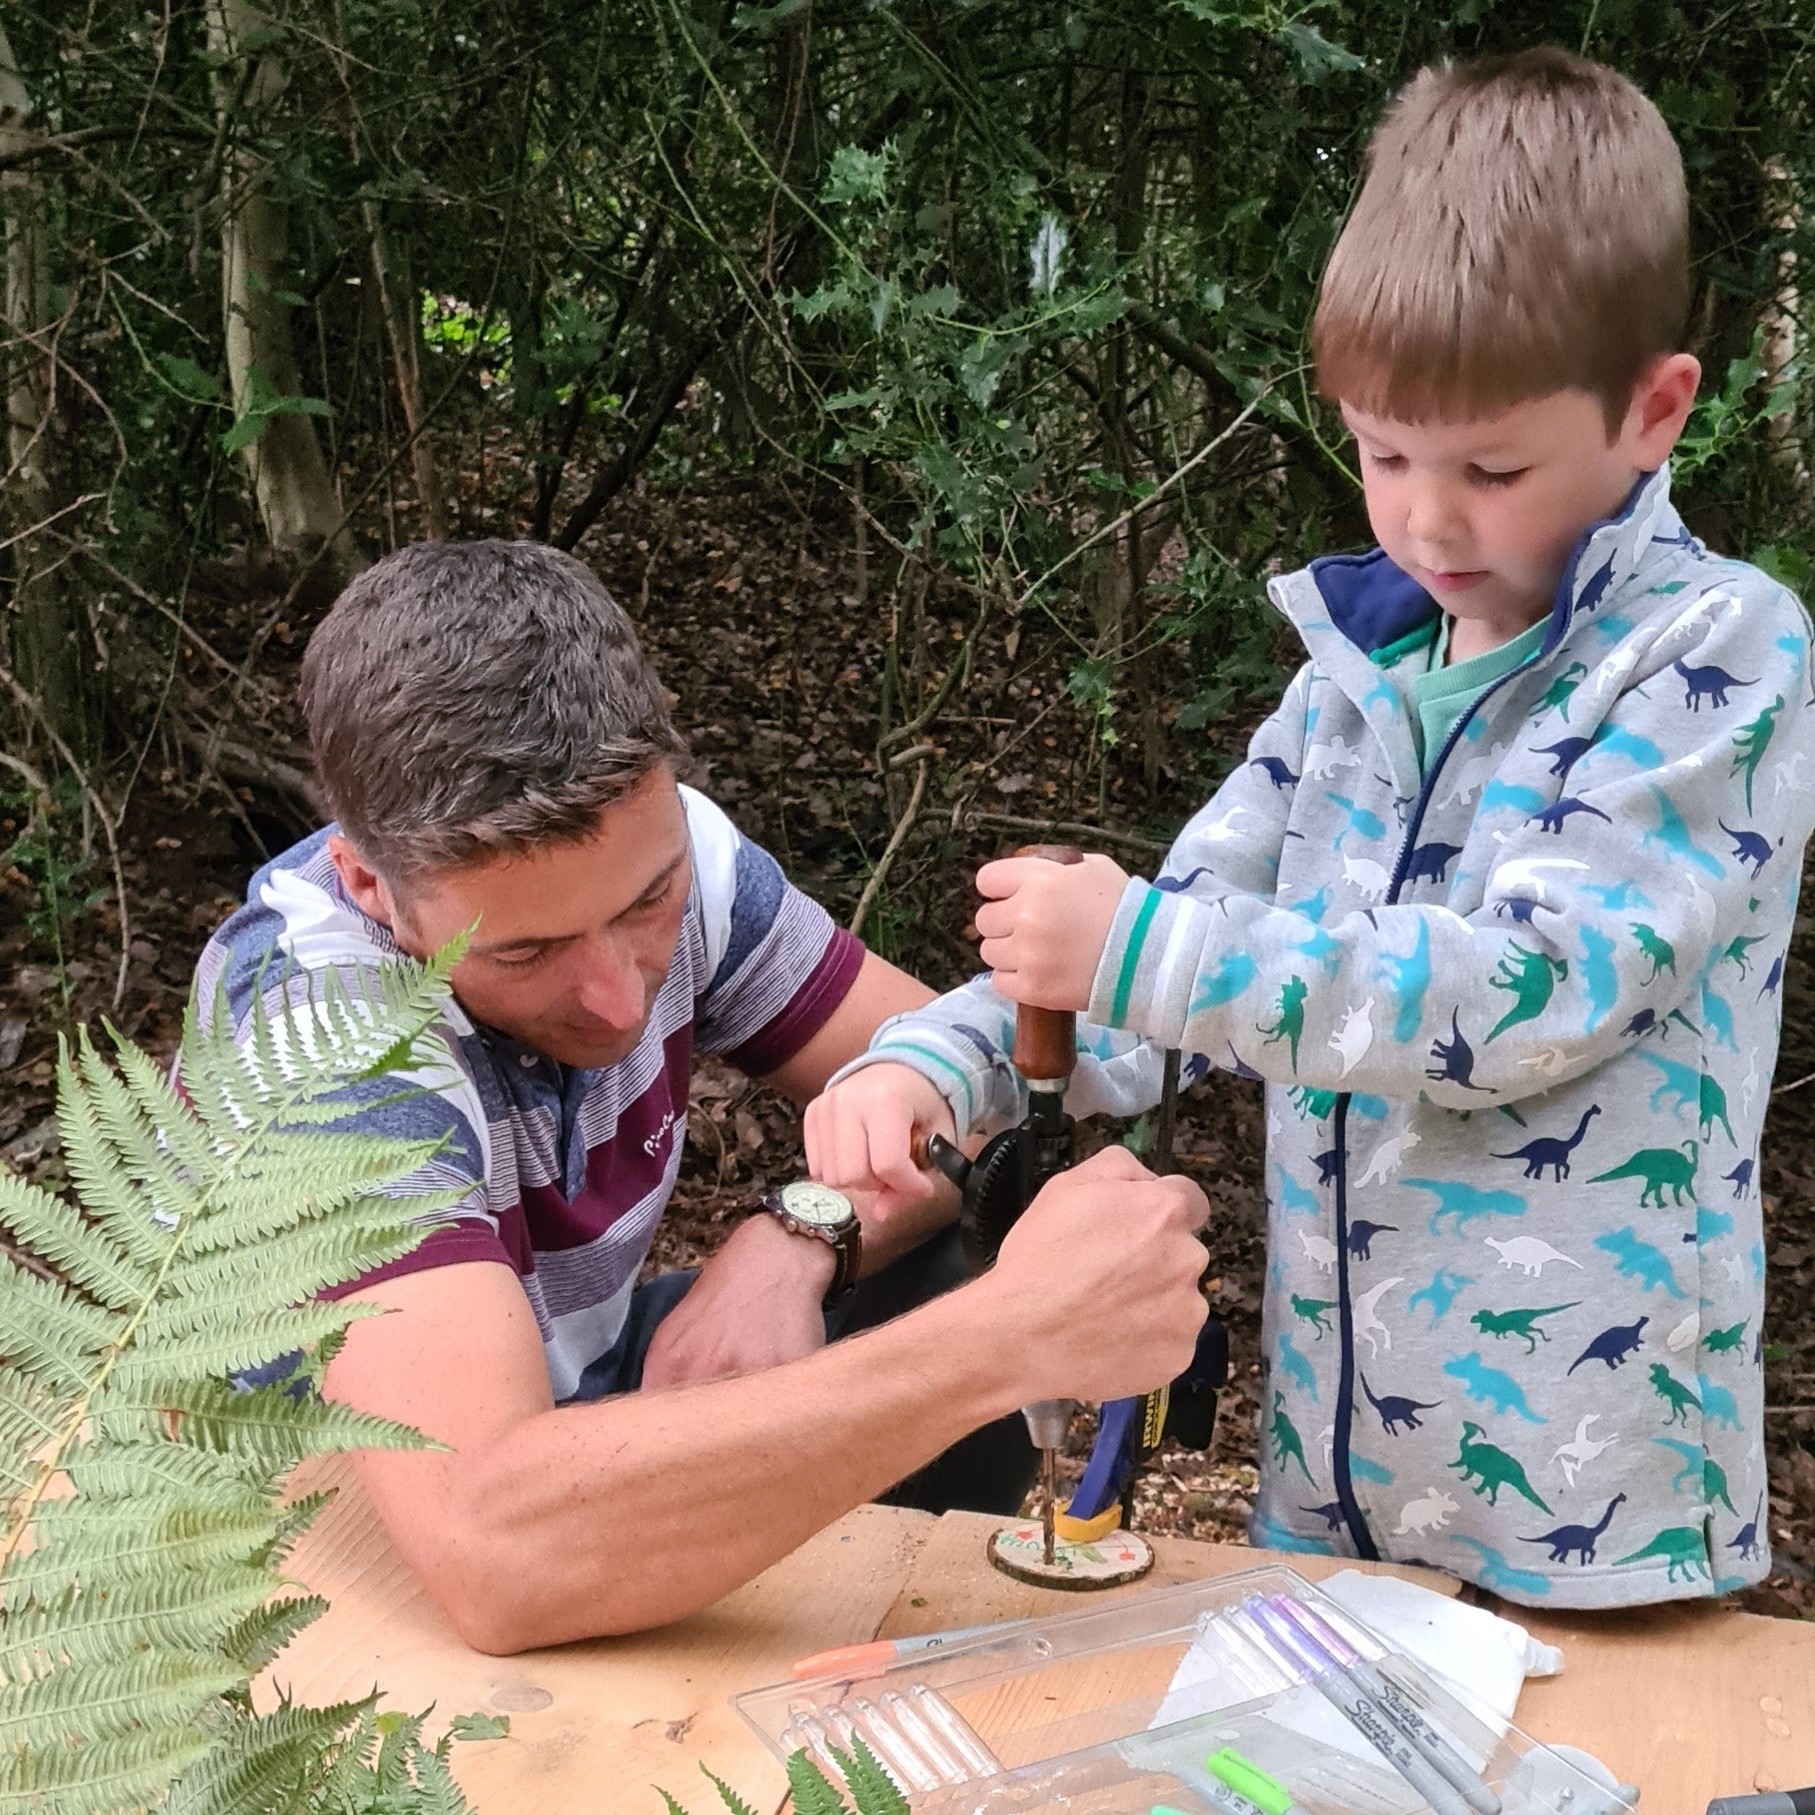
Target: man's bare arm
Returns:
[[542, 1524], [878, 991]]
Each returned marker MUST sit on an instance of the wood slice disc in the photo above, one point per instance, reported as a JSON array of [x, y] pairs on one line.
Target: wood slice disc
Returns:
[[1019, 1550]]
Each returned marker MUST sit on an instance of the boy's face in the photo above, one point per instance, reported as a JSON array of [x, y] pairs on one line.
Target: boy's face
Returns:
[[1485, 513]]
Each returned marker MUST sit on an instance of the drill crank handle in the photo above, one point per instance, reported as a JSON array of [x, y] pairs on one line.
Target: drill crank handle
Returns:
[[1046, 1039]]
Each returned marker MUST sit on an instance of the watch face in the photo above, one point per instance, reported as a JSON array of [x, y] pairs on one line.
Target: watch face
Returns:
[[817, 1204]]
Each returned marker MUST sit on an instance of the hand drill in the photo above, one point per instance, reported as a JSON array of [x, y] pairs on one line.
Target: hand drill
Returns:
[[997, 1187]]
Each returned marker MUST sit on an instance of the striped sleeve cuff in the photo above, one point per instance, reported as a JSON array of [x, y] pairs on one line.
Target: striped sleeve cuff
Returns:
[[1143, 980], [952, 1068]]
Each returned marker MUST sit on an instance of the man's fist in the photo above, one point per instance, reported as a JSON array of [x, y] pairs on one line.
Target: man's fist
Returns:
[[1100, 1277], [1044, 926], [861, 1134]]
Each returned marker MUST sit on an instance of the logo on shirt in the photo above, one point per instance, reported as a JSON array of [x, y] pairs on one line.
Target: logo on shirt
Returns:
[[653, 1143]]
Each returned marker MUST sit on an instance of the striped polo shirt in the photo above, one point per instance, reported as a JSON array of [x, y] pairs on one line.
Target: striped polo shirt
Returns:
[[566, 1172]]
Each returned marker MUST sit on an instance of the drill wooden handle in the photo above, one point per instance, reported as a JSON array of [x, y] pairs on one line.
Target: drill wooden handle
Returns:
[[1046, 1047]]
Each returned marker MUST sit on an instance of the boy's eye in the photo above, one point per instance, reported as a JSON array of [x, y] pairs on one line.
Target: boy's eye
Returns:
[[1482, 475], [1386, 463]]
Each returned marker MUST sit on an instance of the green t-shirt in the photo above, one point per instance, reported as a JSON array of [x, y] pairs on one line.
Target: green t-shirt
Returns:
[[1437, 691]]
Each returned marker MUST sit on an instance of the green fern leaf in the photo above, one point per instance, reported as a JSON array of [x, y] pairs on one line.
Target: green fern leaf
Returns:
[[188, 1611], [100, 1777], [139, 1545], [258, 1638], [875, 1791], [46, 1226], [728, 1796], [264, 1763], [812, 1790], [673, 1807]]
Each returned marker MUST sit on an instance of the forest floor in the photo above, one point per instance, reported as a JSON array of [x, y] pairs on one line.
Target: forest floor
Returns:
[[749, 606]]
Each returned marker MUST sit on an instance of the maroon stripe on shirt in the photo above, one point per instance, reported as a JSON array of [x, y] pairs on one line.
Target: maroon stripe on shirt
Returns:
[[622, 1170], [809, 1011], [469, 1239]]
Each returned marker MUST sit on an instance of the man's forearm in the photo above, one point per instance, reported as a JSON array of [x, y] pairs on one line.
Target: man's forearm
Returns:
[[613, 1517]]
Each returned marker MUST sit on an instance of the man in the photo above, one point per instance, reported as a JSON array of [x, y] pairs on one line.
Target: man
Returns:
[[499, 757]]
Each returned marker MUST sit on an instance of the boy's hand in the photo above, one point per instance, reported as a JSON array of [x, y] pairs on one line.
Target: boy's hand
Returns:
[[860, 1134], [1045, 924]]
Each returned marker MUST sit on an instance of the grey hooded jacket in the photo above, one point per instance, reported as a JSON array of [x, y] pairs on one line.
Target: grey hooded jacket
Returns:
[[1517, 1012]]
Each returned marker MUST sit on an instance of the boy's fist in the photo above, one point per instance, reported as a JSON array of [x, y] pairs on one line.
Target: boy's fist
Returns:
[[860, 1134], [1044, 926]]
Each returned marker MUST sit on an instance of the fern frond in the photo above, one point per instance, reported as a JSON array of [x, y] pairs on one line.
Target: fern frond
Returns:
[[97, 1778], [436, 1791], [51, 1335], [121, 1542], [264, 1763], [172, 1354], [51, 1229], [258, 1638], [812, 1791], [728, 1796], [139, 1545], [189, 1610], [269, 1428], [153, 1689], [875, 1791]]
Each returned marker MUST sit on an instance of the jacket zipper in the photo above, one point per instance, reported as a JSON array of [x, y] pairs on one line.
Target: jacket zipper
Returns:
[[1340, 1473]]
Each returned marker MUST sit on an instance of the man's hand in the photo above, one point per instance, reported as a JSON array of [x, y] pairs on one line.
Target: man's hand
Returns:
[[757, 1303], [861, 1134], [1045, 924], [1100, 1276]]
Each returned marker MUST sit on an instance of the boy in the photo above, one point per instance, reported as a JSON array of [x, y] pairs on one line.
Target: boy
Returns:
[[1498, 905]]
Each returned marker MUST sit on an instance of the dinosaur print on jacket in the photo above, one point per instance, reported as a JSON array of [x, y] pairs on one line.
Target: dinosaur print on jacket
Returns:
[[1574, 908]]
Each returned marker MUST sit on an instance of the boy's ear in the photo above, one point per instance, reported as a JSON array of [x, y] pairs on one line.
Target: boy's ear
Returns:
[[1661, 402]]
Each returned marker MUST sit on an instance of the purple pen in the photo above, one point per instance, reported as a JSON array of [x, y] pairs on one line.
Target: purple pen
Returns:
[[1399, 1707], [1344, 1694]]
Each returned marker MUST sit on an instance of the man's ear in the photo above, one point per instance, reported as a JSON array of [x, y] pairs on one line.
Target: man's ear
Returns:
[[370, 892], [1661, 402]]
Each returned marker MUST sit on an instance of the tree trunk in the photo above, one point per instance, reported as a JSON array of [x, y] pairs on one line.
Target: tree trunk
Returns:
[[289, 476], [397, 306], [43, 640]]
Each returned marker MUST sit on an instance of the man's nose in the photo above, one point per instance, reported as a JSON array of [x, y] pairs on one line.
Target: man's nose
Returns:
[[612, 986]]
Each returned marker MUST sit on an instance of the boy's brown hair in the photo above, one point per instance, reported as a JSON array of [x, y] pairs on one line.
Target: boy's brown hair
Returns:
[[1523, 229]]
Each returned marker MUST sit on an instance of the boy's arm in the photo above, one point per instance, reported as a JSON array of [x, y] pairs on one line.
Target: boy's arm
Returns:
[[960, 1042], [1639, 902]]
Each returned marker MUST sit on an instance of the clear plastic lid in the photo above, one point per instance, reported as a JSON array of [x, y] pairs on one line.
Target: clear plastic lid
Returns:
[[1120, 1709]]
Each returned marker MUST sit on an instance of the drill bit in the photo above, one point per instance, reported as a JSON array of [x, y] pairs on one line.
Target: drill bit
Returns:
[[1049, 1475]]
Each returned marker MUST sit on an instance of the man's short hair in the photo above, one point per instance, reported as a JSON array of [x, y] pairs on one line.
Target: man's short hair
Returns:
[[471, 700], [1523, 229]]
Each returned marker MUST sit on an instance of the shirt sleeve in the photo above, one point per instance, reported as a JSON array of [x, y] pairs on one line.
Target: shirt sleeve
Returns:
[[777, 964], [1548, 977], [274, 956]]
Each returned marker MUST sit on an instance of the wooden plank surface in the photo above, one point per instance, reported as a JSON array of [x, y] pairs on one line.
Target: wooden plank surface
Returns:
[[593, 1725], [1689, 1701]]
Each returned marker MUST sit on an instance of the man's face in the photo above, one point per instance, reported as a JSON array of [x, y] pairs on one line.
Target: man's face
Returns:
[[1484, 514], [572, 941]]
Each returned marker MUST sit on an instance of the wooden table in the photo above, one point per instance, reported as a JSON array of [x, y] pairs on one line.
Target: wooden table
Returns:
[[1688, 1702]]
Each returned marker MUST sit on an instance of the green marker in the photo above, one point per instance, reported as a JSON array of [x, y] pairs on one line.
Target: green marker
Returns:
[[1247, 1779]]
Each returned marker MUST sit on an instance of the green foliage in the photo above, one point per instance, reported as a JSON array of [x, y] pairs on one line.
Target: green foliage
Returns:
[[872, 1790], [141, 1544]]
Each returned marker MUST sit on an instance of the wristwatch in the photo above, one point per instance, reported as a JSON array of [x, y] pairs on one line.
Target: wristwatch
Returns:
[[805, 1207]]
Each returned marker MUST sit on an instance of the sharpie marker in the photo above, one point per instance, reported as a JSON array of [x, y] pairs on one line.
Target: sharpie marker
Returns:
[[1766, 1802], [1362, 1713], [1400, 1709], [879, 1654]]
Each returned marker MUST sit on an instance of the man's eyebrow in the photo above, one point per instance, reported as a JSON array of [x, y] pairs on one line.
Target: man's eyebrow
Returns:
[[656, 885], [521, 945], [661, 879]]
